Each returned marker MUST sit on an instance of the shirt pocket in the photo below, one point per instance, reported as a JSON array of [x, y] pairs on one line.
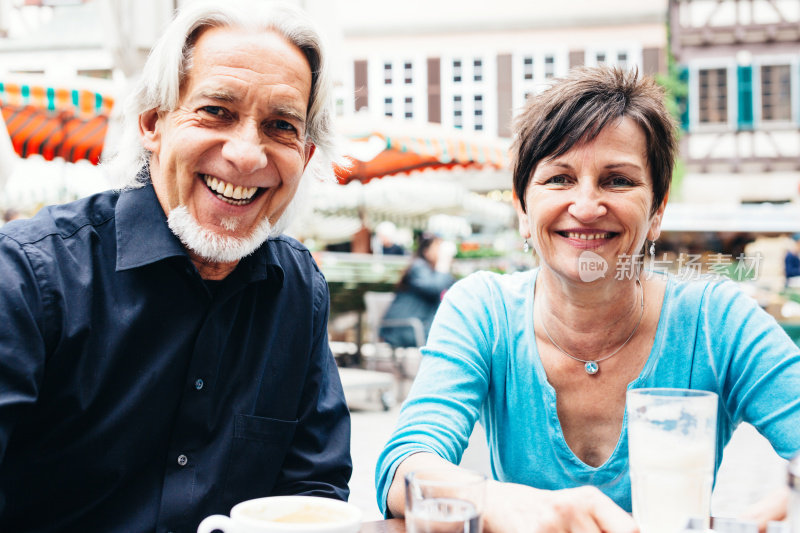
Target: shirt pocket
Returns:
[[257, 453]]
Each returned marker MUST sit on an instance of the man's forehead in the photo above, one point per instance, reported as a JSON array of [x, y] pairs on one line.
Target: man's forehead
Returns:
[[230, 65], [279, 100]]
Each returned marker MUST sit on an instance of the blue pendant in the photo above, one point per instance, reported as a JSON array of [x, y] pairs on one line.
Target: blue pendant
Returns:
[[591, 367]]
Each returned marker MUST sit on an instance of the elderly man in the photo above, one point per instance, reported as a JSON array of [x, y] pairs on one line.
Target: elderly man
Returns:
[[163, 351]]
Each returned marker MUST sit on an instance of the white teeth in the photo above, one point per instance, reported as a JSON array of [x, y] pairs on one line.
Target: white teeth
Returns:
[[228, 190], [588, 236]]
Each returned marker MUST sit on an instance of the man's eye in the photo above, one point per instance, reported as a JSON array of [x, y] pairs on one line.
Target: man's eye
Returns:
[[283, 125], [214, 110]]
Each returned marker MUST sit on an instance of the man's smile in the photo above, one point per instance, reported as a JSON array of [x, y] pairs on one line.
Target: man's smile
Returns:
[[230, 193]]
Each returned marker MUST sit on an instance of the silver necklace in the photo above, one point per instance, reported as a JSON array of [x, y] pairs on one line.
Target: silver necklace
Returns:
[[591, 365]]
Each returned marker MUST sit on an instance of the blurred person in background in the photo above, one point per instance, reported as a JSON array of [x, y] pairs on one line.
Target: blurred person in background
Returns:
[[791, 263], [420, 290], [164, 349], [386, 239], [11, 214], [544, 358]]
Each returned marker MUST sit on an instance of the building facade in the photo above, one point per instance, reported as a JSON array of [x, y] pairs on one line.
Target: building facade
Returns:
[[740, 60], [467, 65]]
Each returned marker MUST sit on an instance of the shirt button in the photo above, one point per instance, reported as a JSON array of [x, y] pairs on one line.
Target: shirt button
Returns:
[[198, 384], [182, 460]]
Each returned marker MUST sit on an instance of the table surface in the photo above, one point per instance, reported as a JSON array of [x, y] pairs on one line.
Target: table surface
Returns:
[[724, 525], [392, 525]]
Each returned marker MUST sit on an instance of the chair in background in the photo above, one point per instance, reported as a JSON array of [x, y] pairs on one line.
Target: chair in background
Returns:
[[376, 350]]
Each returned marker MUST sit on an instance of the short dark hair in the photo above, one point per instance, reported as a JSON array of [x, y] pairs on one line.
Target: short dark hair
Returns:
[[425, 241], [576, 108]]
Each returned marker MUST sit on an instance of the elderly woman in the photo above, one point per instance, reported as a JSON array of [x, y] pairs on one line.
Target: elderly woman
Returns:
[[544, 358]]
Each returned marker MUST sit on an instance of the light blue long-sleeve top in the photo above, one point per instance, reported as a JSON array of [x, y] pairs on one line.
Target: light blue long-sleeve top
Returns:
[[481, 363]]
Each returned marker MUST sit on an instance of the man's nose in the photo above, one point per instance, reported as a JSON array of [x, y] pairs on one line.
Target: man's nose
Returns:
[[245, 149], [588, 204]]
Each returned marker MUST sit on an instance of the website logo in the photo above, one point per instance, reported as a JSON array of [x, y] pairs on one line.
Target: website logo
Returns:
[[591, 266]]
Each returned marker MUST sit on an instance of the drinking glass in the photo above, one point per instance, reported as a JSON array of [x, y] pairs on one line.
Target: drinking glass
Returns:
[[671, 449], [444, 501]]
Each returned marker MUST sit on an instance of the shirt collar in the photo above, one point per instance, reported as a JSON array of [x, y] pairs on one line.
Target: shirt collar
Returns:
[[143, 237]]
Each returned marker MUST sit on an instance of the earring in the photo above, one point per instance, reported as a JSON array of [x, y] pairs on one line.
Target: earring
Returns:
[[652, 250], [525, 246]]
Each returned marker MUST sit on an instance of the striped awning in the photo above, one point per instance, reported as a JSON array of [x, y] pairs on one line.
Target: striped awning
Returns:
[[378, 148], [55, 122]]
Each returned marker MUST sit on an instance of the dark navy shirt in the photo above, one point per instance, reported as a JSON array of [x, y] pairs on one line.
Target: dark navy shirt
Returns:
[[134, 397]]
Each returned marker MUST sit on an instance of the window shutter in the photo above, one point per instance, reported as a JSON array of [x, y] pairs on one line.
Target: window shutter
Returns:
[[683, 101], [744, 75]]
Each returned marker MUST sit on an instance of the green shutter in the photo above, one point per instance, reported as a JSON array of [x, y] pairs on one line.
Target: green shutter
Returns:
[[744, 77], [683, 100]]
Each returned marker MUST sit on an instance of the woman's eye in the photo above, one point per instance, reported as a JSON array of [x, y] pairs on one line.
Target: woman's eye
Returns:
[[621, 181], [556, 180]]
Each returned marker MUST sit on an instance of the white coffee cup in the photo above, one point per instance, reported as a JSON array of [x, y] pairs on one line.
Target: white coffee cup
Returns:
[[287, 514]]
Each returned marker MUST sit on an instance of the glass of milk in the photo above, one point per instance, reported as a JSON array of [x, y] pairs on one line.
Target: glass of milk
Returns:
[[671, 449]]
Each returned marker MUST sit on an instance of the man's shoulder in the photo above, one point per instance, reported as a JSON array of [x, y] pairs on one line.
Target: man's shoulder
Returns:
[[64, 220], [290, 252]]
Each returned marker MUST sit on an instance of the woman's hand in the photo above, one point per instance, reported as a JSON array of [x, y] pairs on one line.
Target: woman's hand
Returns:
[[772, 507], [512, 508]]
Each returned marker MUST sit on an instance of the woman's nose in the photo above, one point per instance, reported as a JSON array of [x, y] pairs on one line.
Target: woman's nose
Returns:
[[588, 204], [245, 149]]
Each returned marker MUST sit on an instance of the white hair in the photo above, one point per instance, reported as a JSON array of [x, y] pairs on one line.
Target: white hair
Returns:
[[170, 60]]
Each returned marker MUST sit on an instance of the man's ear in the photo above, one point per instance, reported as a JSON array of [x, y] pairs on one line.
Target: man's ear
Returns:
[[309, 152], [655, 222], [148, 130]]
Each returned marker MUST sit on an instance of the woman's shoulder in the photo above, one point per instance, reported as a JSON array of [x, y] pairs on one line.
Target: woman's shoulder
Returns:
[[712, 294], [513, 283], [487, 289]]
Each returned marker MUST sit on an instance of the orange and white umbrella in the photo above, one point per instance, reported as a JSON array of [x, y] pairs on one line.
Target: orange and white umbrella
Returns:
[[378, 148], [55, 122]]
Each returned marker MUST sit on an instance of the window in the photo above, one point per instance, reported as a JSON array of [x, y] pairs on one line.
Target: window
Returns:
[[549, 66], [456, 71], [477, 70], [713, 95], [387, 107], [458, 119], [409, 107], [478, 112], [408, 73], [387, 73], [600, 57], [622, 59], [527, 67], [776, 92]]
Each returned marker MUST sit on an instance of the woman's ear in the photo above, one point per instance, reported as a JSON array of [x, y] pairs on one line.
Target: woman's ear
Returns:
[[522, 217], [148, 130], [655, 222]]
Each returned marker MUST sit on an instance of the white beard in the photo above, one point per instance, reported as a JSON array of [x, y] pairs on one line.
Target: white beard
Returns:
[[211, 246], [224, 249]]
